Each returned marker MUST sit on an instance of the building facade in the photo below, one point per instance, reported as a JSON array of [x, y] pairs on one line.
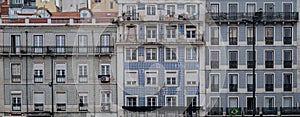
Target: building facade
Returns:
[[59, 66], [229, 56], [160, 61]]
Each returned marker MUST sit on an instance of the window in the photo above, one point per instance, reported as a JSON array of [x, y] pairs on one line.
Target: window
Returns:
[[171, 78], [131, 11], [171, 53], [287, 102], [171, 101], [191, 101], [250, 60], [104, 43], [39, 98], [60, 43], [170, 9], [250, 38], [83, 101], [17, 1], [233, 9], [287, 82], [251, 8], [131, 54], [151, 100], [233, 82], [190, 32], [61, 100], [214, 84], [151, 32], [215, 102], [15, 44], [233, 102], [287, 58], [250, 84], [151, 10], [287, 9], [60, 73], [16, 101], [111, 5], [151, 78], [82, 43], [287, 35], [105, 97], [269, 82], [214, 59], [191, 53], [214, 8], [97, 1], [191, 77], [83, 73], [233, 59], [131, 101], [38, 43], [214, 35], [233, 34], [151, 54], [38, 73], [269, 102], [16, 73], [191, 10], [104, 69], [269, 35], [269, 59], [171, 32], [250, 105], [131, 78]]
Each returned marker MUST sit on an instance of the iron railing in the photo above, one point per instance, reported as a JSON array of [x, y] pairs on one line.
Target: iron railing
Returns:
[[290, 110], [269, 110]]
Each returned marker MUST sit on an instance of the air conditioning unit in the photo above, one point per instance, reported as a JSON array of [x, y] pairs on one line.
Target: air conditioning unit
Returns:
[[104, 78], [105, 107]]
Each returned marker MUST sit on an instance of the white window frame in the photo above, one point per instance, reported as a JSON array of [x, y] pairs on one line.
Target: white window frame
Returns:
[[83, 43], [151, 57], [265, 55], [38, 42], [269, 97], [153, 74], [292, 57], [283, 97], [105, 70], [252, 80], [283, 35], [237, 59], [185, 101], [210, 81], [170, 31], [195, 81], [190, 48], [39, 66], [15, 72], [210, 37], [292, 75], [236, 35], [266, 82], [104, 92], [176, 100], [246, 33], [82, 73], [172, 74], [152, 9], [61, 67], [233, 97], [255, 52], [265, 34], [133, 96], [237, 80], [171, 54], [131, 50], [153, 32], [190, 30], [131, 80], [146, 100], [215, 97], [16, 94], [210, 58]]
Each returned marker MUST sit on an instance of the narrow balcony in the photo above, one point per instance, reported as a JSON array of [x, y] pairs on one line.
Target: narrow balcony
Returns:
[[215, 111], [269, 87], [56, 50], [38, 107], [61, 107], [214, 64], [269, 110], [16, 78], [38, 79], [249, 87], [249, 111], [269, 40], [290, 110], [287, 87], [250, 64], [16, 107], [214, 87], [233, 111], [264, 16], [269, 64], [233, 87], [287, 64], [60, 78], [287, 40], [83, 107], [233, 64], [250, 41]]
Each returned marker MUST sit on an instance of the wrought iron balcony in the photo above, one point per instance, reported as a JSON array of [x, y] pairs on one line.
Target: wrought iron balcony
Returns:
[[287, 64], [249, 111], [16, 78], [233, 87], [269, 40], [287, 40], [60, 78], [215, 111], [264, 16], [250, 64], [249, 87], [233, 41], [289, 110], [131, 16], [269, 110], [233, 64], [269, 87], [38, 107], [228, 109], [61, 107], [16, 107], [249, 40], [55, 50], [269, 64], [83, 107], [287, 87], [161, 108]]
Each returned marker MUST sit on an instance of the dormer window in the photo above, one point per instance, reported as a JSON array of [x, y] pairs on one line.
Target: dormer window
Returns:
[[85, 13]]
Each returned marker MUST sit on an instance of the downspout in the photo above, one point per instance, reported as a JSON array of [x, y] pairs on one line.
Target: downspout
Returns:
[[26, 65]]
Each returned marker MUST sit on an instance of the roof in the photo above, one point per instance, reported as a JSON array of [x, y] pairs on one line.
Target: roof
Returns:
[[65, 14], [105, 14]]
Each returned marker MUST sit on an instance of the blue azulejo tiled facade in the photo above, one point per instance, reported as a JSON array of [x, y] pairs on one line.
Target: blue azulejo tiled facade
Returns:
[[229, 56]]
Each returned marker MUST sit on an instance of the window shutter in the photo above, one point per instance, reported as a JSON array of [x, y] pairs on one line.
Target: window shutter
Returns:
[[39, 97], [191, 76], [61, 98]]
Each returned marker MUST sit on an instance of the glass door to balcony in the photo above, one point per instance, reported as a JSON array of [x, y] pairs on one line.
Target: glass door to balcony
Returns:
[[104, 43], [287, 10], [60, 43], [269, 9], [15, 43], [38, 44], [82, 43], [233, 9]]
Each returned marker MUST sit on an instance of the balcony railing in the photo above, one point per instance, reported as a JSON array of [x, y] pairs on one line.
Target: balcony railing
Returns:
[[83, 78], [249, 111], [60, 78], [289, 110], [265, 16], [233, 87], [16, 107], [269, 40], [233, 41], [38, 79], [131, 16], [287, 40], [214, 87], [269, 110], [61, 107], [56, 50], [250, 64], [269, 87], [287, 87], [269, 64], [287, 64], [83, 107], [233, 64], [228, 109], [38, 107], [49, 21], [215, 111], [249, 40], [16, 78], [249, 87]]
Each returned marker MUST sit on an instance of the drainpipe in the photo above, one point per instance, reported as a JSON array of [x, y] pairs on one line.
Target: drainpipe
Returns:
[[26, 64]]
